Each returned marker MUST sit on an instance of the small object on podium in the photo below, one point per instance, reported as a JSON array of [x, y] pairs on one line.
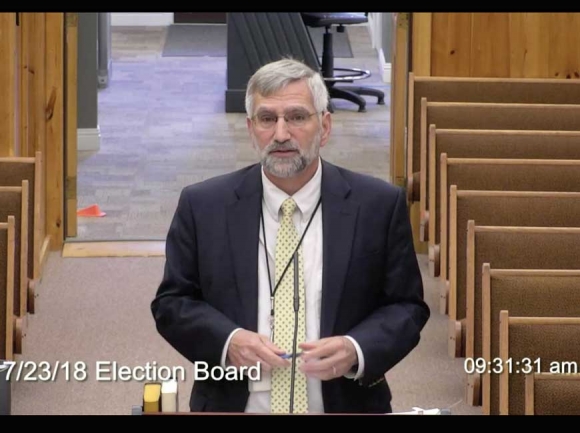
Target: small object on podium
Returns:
[[169, 396], [419, 411], [152, 397]]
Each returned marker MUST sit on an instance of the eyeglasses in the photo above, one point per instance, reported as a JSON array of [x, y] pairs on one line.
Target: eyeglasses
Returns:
[[294, 119]]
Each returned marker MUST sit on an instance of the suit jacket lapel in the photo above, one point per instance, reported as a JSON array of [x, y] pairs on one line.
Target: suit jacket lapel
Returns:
[[243, 216], [338, 222]]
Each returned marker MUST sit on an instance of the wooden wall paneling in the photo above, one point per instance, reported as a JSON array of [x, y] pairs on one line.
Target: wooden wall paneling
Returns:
[[25, 22], [529, 45], [422, 40], [400, 48], [421, 32], [71, 124], [564, 39], [8, 83], [37, 117], [451, 44], [398, 173], [490, 45], [54, 110]]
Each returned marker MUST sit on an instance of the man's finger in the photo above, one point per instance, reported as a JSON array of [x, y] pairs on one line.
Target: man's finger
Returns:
[[272, 358], [322, 351], [321, 365], [272, 346]]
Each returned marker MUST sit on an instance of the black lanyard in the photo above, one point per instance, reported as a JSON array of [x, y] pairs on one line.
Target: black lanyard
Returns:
[[273, 291]]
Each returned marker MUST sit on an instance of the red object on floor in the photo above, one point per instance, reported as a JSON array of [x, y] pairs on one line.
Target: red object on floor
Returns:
[[91, 211]]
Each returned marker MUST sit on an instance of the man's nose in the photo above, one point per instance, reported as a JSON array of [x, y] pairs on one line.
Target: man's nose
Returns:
[[281, 132]]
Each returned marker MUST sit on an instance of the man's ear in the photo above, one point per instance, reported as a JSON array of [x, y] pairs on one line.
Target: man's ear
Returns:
[[326, 128], [249, 125]]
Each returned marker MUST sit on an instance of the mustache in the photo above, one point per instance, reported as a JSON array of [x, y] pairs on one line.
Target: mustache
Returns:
[[282, 146]]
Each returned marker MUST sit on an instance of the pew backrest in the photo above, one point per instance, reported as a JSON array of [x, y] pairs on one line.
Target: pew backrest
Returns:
[[497, 208], [552, 394], [522, 292], [481, 143], [14, 202], [13, 170], [533, 345], [7, 259], [495, 174], [475, 89]]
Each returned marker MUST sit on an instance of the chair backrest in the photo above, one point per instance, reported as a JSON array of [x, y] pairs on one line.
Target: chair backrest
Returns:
[[522, 292], [257, 38], [533, 345], [7, 259], [552, 394]]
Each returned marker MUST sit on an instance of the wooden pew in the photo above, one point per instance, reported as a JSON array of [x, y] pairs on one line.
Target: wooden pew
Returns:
[[552, 394], [481, 143], [495, 116], [508, 248], [522, 292], [495, 175], [9, 326], [14, 202], [473, 89], [13, 170], [493, 208], [533, 345]]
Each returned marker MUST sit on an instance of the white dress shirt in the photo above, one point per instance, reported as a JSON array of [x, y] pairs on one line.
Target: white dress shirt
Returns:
[[306, 199]]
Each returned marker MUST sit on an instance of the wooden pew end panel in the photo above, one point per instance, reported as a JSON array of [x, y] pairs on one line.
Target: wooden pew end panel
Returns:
[[413, 188], [434, 260], [474, 397], [456, 338], [18, 335], [32, 284], [444, 297], [424, 226]]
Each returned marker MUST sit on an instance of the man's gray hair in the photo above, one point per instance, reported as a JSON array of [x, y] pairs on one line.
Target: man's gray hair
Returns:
[[274, 76]]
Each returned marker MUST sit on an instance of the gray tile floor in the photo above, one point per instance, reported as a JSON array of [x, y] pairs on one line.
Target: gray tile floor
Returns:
[[163, 126]]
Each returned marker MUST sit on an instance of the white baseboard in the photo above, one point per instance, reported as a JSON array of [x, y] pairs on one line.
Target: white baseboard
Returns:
[[89, 139], [141, 19], [385, 67]]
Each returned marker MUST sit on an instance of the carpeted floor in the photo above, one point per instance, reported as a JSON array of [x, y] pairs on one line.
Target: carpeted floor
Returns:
[[97, 310]]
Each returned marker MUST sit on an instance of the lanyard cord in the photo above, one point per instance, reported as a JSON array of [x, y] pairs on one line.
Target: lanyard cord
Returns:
[[273, 292]]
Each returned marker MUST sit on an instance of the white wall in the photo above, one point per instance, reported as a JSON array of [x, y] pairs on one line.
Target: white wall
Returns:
[[377, 27], [141, 18]]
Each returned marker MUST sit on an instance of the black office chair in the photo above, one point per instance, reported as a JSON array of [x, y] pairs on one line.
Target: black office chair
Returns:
[[350, 93]]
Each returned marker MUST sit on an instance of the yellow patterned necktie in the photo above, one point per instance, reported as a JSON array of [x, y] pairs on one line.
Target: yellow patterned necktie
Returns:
[[284, 317]]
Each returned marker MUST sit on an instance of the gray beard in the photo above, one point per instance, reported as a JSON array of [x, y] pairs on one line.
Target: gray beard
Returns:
[[286, 167]]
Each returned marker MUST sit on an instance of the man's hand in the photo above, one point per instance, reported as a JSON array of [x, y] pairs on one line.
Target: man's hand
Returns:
[[248, 349], [328, 358]]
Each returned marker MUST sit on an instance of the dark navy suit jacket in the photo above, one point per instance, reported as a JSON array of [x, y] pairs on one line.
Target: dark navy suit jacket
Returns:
[[372, 287]]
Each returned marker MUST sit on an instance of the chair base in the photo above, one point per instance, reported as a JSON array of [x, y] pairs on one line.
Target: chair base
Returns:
[[355, 94]]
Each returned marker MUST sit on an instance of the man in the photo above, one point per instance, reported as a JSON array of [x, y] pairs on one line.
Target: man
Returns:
[[228, 293]]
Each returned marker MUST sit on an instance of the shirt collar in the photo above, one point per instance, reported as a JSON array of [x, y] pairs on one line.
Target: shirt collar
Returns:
[[306, 198]]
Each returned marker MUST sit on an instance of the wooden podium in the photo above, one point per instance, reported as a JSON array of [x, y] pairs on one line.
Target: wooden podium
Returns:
[[161, 398], [138, 410]]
